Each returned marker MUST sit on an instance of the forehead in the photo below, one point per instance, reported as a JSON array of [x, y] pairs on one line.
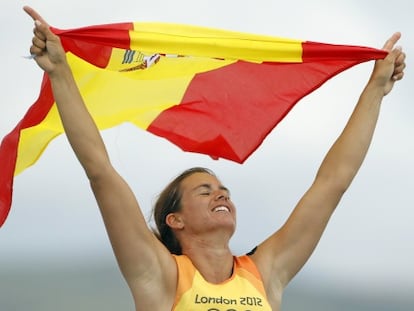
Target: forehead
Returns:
[[197, 179]]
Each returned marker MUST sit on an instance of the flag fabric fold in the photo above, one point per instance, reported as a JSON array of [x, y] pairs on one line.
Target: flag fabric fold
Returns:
[[206, 90]]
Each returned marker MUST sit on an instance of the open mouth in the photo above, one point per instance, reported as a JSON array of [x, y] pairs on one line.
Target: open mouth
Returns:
[[221, 209]]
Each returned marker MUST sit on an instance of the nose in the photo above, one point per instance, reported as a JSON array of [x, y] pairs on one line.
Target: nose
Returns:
[[222, 195]]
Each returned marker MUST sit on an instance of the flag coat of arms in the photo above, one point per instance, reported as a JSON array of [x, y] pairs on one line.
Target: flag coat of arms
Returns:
[[209, 91]]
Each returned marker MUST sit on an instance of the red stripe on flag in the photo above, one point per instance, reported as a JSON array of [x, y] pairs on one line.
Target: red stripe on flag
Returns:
[[319, 52], [9, 146], [94, 43], [228, 112]]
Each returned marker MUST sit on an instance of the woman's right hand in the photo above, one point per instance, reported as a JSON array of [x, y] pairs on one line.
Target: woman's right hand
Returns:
[[46, 46]]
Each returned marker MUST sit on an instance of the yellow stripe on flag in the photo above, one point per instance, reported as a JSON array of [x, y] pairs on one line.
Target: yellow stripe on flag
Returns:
[[208, 42], [28, 153]]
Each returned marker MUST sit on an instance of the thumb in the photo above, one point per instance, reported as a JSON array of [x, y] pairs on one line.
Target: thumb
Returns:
[[34, 15], [390, 43], [393, 51], [42, 27]]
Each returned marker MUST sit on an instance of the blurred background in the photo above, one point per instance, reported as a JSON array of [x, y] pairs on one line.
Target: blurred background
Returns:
[[54, 253]]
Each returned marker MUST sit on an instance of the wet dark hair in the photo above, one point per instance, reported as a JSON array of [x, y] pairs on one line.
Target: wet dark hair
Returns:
[[169, 201]]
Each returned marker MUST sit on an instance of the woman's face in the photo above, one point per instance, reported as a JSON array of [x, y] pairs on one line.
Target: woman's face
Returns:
[[206, 204]]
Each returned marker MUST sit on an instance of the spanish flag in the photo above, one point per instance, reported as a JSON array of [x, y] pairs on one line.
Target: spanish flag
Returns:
[[209, 91]]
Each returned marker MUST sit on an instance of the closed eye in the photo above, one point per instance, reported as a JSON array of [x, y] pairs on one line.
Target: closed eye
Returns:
[[206, 190]]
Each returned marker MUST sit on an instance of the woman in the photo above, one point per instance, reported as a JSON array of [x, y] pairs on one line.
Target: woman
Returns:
[[191, 266]]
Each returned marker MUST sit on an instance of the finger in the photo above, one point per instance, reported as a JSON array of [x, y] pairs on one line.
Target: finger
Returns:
[[34, 15], [400, 59], [39, 34], [399, 69], [390, 43], [35, 51], [39, 43], [398, 76]]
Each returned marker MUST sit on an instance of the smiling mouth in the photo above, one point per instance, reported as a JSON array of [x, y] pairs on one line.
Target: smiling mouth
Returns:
[[221, 209]]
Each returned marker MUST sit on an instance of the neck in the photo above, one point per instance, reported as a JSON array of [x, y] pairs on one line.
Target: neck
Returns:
[[214, 263]]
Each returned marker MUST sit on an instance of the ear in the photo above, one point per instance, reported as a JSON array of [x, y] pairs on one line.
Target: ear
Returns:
[[174, 221]]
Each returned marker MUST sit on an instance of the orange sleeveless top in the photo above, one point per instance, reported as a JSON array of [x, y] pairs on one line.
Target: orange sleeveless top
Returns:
[[243, 291]]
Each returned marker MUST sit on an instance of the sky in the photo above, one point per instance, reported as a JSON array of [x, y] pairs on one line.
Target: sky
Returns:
[[367, 246]]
